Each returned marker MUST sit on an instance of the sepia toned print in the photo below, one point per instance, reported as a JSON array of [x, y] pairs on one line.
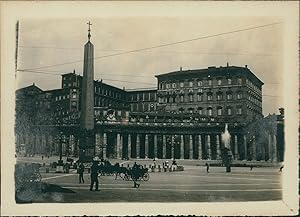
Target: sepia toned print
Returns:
[[147, 110], [196, 135]]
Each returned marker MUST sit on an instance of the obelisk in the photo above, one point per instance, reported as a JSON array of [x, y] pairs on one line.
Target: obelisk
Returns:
[[87, 137]]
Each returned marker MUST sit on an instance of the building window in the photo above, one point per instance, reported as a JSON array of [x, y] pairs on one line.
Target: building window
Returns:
[[167, 86], [229, 81], [239, 110], [181, 110], [191, 110], [200, 83], [239, 81], [181, 84], [209, 111], [190, 83], [74, 95], [229, 111], [181, 98], [219, 82], [219, 96], [219, 111], [209, 82], [200, 110], [174, 85], [191, 97], [239, 95], [209, 96], [199, 97], [229, 96], [59, 98]]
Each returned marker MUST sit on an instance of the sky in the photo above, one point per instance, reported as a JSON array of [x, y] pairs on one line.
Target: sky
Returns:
[[57, 42]]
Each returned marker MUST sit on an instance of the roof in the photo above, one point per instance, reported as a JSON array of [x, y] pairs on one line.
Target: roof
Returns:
[[213, 71], [29, 90], [141, 89]]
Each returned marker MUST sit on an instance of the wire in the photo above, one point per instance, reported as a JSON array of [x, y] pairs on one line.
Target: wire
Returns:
[[179, 52], [123, 81], [158, 46]]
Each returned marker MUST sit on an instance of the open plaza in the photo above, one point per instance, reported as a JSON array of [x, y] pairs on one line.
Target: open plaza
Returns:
[[193, 184]]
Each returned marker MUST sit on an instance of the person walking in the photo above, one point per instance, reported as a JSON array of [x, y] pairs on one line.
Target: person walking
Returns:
[[81, 171], [207, 167], [135, 174], [94, 176]]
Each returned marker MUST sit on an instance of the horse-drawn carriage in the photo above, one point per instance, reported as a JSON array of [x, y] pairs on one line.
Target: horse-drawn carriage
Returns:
[[27, 176], [138, 173]]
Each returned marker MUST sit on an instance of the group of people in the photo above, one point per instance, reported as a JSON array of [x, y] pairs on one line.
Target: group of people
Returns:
[[96, 169]]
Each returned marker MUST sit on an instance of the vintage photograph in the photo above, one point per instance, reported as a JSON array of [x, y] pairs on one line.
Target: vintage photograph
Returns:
[[121, 109], [153, 108]]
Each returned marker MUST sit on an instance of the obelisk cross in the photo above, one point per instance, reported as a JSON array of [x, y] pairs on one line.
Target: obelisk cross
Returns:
[[89, 35]]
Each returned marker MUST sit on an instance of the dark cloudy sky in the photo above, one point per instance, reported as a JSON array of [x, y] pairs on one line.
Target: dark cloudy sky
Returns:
[[44, 42]]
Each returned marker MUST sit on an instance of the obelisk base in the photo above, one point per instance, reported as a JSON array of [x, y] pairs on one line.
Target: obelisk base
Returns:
[[87, 146]]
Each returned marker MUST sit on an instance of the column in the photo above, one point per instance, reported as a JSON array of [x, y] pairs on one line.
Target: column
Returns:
[[118, 146], [245, 148], [181, 147], [254, 149], [164, 146], [146, 146], [129, 146], [121, 146], [236, 149], [269, 147], [172, 146], [155, 145], [199, 147], [44, 144], [191, 147], [274, 148], [218, 147], [104, 147], [137, 146], [98, 144], [208, 146]]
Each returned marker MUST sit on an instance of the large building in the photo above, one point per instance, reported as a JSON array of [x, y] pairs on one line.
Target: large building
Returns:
[[184, 117]]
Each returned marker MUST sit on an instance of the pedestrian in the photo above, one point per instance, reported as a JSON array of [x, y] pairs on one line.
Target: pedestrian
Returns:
[[251, 167], [135, 174], [81, 171], [42, 157], [94, 176], [207, 167]]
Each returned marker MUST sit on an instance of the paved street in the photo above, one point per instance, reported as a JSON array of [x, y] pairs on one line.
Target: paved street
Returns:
[[191, 185]]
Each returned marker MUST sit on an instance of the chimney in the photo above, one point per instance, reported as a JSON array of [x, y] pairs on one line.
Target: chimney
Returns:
[[180, 68], [227, 64], [246, 66]]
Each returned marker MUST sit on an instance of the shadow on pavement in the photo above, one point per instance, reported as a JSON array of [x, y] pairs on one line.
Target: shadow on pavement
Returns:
[[41, 193]]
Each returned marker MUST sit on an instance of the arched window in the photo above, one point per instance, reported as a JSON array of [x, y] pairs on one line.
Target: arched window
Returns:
[[239, 110], [200, 110], [229, 111], [229, 95], [209, 111], [239, 95], [219, 96], [209, 96], [199, 97], [219, 110]]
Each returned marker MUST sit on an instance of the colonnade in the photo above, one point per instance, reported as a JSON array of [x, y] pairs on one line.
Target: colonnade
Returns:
[[149, 145]]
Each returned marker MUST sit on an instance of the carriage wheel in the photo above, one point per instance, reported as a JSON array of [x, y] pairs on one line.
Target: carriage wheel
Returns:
[[146, 177]]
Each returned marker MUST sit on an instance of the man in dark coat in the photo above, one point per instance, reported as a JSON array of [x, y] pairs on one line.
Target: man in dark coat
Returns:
[[94, 176], [81, 171], [135, 174]]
